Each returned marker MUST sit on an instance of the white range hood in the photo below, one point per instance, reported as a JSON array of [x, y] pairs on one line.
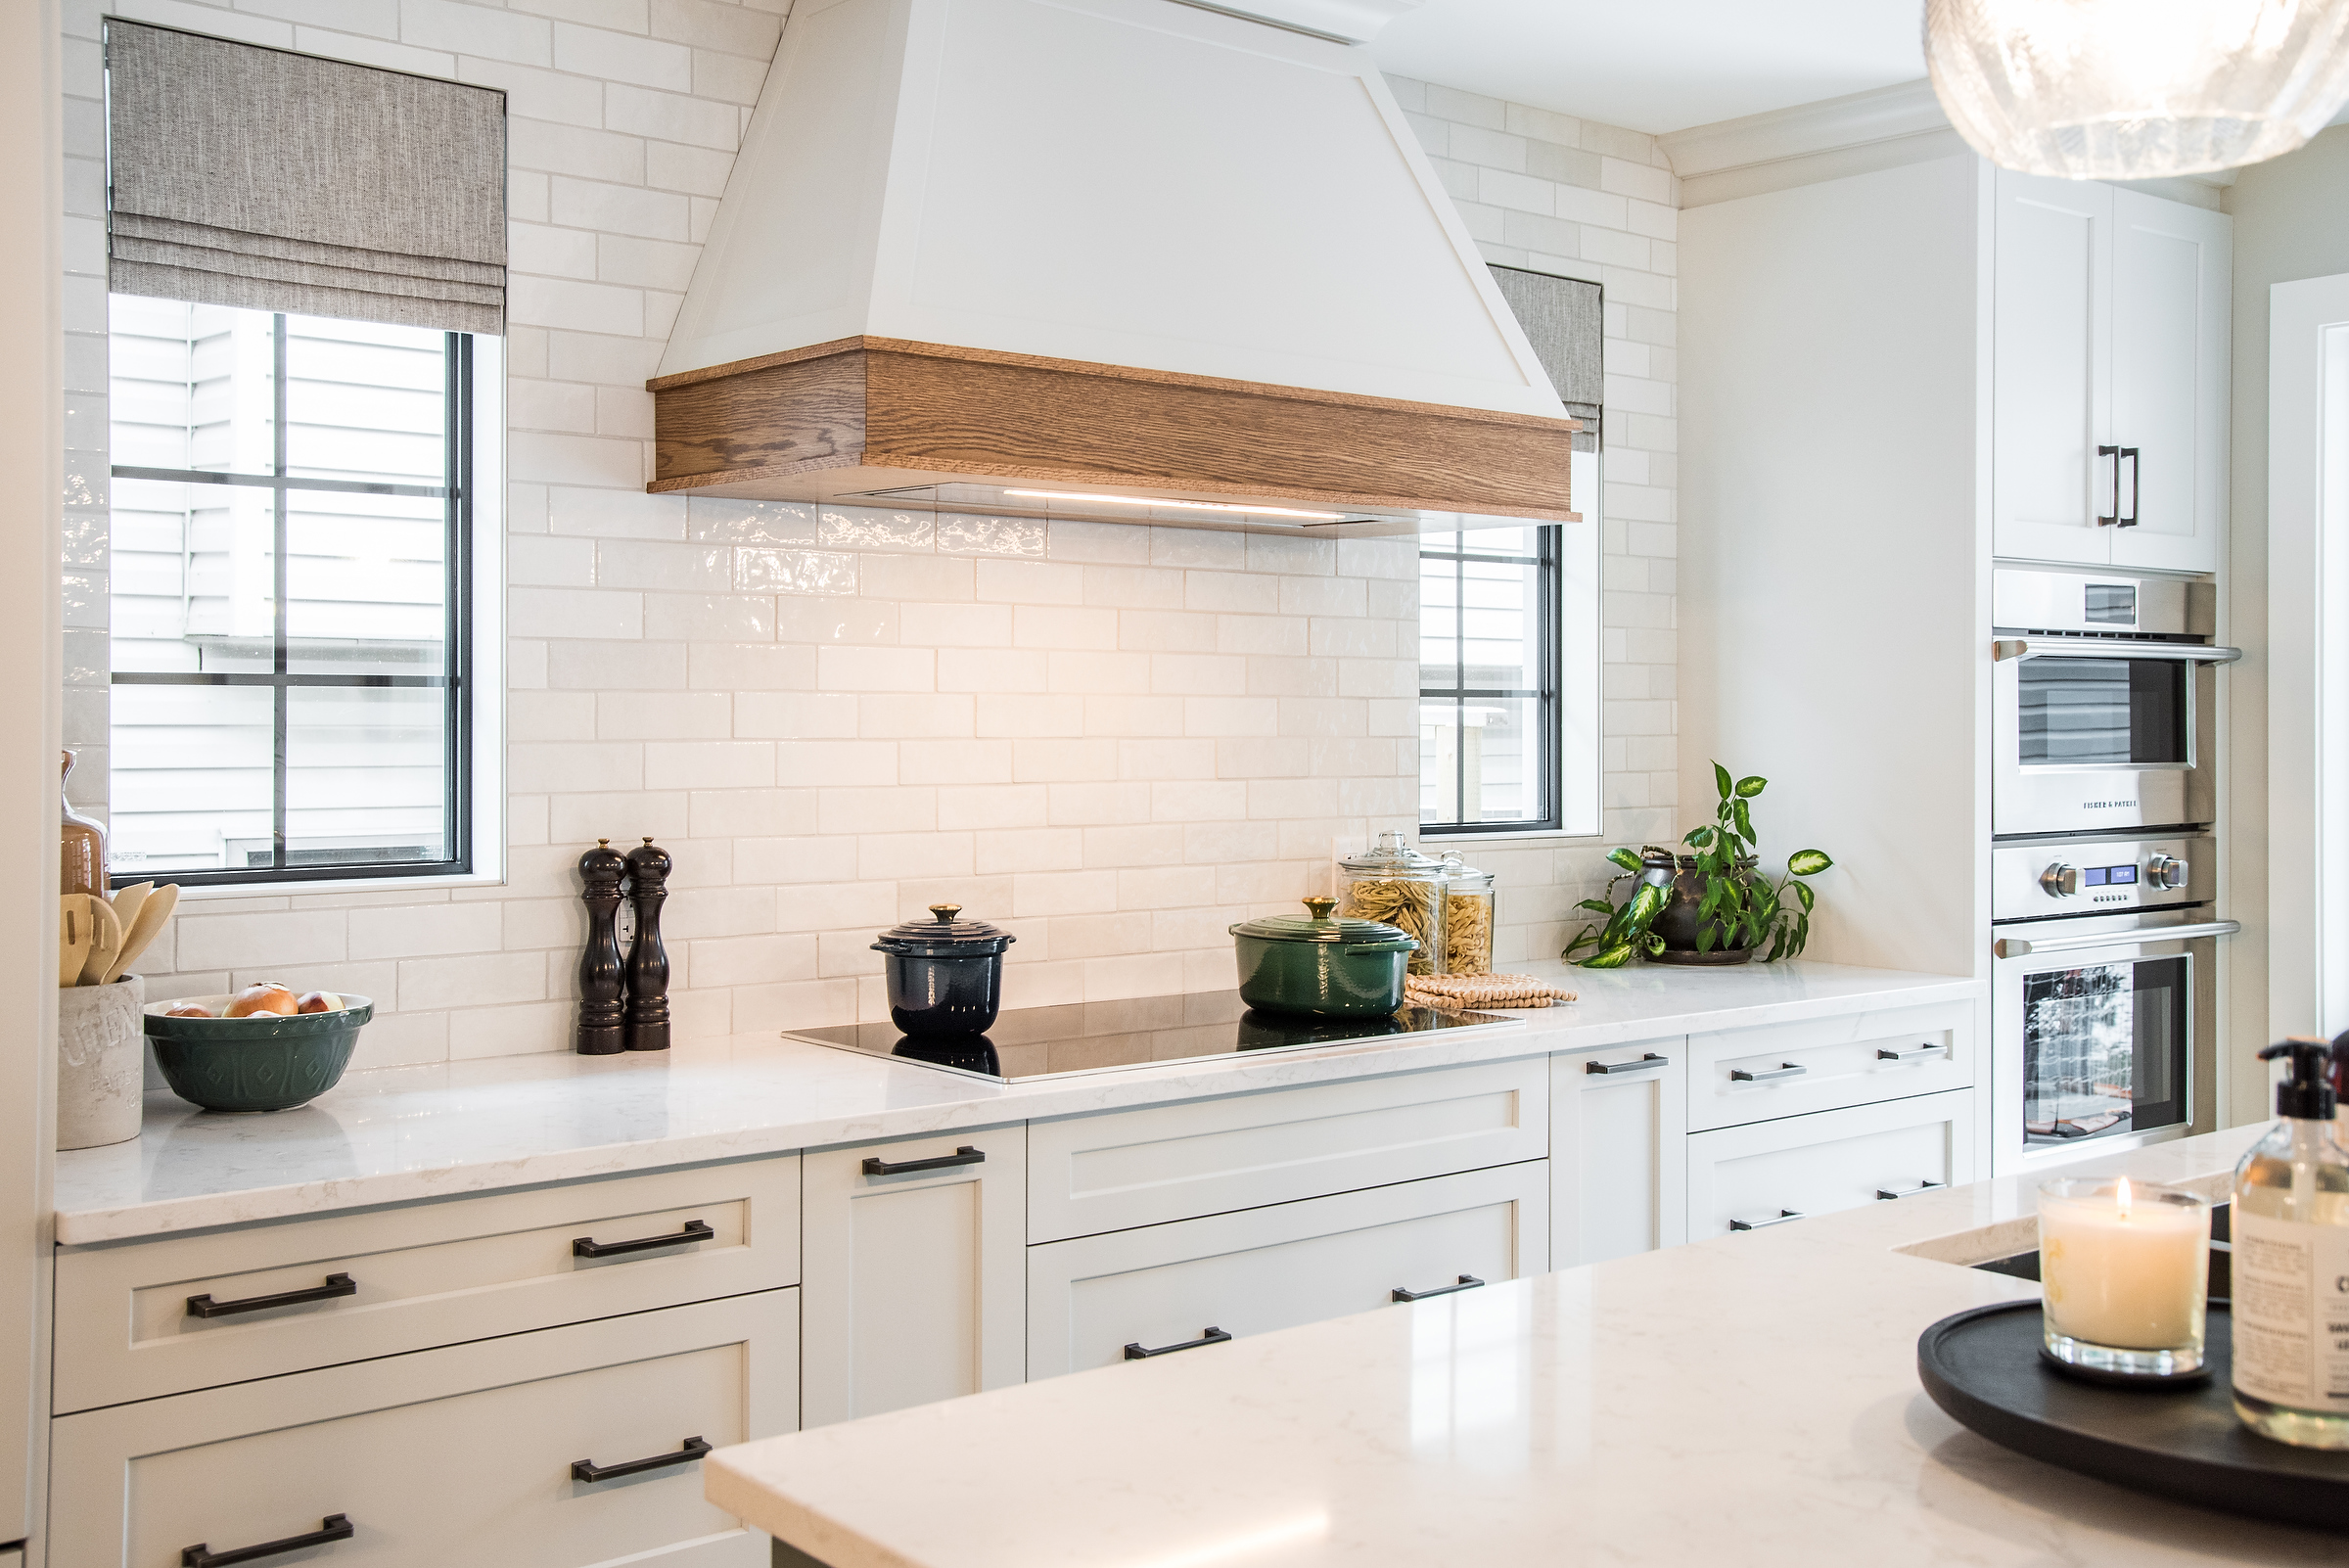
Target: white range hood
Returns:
[[1116, 250]]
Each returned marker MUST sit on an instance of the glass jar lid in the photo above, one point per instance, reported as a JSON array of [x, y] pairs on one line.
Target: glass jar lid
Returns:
[[941, 935], [1319, 926], [1393, 858], [1466, 878]]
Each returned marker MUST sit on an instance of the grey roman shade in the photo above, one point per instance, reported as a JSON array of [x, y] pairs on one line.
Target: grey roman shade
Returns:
[[276, 181], [1561, 320]]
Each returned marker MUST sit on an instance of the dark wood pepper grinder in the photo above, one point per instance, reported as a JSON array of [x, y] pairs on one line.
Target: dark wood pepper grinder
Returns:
[[603, 983], [648, 960]]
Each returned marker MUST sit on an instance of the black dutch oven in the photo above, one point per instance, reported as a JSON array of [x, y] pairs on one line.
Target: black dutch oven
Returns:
[[946, 976]]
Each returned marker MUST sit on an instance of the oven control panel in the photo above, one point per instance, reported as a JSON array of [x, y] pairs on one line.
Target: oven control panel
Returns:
[[2034, 881]]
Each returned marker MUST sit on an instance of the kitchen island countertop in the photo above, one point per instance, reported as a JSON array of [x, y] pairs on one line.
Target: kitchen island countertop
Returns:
[[403, 1135], [1750, 1400]]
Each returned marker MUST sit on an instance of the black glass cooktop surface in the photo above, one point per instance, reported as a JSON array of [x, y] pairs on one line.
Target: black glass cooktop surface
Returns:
[[1148, 1032]]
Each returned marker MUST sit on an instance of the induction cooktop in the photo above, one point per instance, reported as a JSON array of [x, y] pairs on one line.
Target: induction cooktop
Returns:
[[1148, 1032]]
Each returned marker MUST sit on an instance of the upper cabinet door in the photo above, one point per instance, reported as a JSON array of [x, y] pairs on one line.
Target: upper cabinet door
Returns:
[[2172, 268], [2051, 367]]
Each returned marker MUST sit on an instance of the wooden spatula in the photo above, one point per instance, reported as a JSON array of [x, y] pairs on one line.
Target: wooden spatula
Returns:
[[154, 910], [73, 936], [105, 939]]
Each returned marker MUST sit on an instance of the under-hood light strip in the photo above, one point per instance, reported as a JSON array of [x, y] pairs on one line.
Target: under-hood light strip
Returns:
[[1194, 506]]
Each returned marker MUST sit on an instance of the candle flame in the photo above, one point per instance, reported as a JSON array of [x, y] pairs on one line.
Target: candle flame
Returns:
[[2123, 1196]]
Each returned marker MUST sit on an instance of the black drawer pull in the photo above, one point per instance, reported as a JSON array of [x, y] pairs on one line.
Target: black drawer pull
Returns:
[[1895, 1194], [1138, 1352], [589, 1470], [1917, 1054], [1467, 1282], [1784, 1070], [205, 1306], [590, 1247], [334, 1527], [1651, 1060], [966, 1155], [1782, 1217]]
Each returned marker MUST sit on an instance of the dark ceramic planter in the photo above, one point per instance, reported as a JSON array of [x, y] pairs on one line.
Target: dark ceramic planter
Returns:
[[265, 1063], [1679, 926]]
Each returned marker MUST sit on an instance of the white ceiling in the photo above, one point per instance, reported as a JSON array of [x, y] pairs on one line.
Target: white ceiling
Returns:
[[1657, 64]]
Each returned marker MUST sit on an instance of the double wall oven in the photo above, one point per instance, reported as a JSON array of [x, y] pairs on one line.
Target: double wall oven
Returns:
[[2103, 870]]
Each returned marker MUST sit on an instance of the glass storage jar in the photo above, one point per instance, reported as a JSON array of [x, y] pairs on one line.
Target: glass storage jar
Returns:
[[1395, 884], [1468, 911]]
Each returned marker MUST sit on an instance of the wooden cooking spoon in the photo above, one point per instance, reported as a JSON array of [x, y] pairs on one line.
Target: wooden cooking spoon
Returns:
[[154, 910], [73, 936], [106, 939]]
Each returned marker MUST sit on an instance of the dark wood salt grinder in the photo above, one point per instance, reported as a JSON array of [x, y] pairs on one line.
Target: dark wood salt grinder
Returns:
[[603, 985], [648, 960]]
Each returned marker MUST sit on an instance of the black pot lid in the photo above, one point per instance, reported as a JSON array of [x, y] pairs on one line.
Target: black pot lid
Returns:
[[941, 935], [1318, 926]]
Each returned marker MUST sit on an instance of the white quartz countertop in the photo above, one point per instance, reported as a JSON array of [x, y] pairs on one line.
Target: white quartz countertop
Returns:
[[404, 1133], [1751, 1399]]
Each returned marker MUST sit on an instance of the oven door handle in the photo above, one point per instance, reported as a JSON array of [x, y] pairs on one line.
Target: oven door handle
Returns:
[[2017, 947], [2004, 649]]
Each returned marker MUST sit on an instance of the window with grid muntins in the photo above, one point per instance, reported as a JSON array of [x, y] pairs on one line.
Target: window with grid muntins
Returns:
[[292, 510], [1488, 679]]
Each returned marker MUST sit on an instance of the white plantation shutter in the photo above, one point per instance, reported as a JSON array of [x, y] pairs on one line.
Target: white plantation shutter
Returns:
[[275, 181]]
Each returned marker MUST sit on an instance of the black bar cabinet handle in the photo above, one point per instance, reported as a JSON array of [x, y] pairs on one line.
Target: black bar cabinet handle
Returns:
[[1138, 1352], [1651, 1060], [1467, 1282], [2137, 481], [1784, 1070], [2115, 453], [1915, 1054], [591, 1471], [1895, 1194], [966, 1155], [334, 1527], [1783, 1216], [335, 1285], [590, 1247]]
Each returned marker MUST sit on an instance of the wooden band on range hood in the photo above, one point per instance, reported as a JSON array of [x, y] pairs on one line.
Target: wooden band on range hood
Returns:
[[860, 414]]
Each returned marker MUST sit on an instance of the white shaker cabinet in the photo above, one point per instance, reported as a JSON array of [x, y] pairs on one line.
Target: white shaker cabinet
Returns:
[[2109, 363], [1618, 1157], [913, 1261], [1780, 1171], [1189, 1285]]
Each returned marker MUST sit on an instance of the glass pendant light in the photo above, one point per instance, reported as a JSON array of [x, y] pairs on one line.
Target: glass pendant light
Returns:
[[2135, 89]]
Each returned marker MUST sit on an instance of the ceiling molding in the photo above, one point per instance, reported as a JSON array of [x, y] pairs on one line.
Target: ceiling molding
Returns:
[[1355, 21], [1883, 127]]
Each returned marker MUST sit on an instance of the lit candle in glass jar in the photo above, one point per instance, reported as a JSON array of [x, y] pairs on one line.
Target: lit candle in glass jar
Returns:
[[2125, 1273]]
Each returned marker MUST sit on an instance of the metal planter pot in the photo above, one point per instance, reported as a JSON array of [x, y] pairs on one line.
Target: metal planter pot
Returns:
[[1319, 967]]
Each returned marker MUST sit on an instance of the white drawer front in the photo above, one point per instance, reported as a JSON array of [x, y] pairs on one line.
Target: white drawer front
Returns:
[[1619, 1168], [1275, 1267], [1777, 1172], [1093, 1173], [1858, 1059], [423, 1276], [459, 1457]]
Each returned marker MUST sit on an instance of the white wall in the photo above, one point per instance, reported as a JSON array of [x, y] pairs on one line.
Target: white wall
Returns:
[[2289, 223], [1572, 197], [1114, 741], [1832, 598]]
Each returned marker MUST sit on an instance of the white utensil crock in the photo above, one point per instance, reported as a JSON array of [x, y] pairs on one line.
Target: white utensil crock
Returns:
[[101, 1063]]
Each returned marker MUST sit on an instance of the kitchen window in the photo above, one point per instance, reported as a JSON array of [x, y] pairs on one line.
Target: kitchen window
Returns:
[[1489, 608], [292, 555]]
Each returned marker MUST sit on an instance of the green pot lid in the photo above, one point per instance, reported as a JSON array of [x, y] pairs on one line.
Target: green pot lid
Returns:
[[1319, 926], [1392, 857]]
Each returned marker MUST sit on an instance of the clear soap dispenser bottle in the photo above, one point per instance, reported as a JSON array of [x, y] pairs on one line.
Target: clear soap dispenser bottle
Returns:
[[2291, 1303]]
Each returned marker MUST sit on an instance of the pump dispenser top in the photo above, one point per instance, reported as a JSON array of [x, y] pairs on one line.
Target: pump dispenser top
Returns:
[[2306, 1092]]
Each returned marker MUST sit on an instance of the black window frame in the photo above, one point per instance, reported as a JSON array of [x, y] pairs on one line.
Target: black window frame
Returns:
[[1550, 597], [455, 492]]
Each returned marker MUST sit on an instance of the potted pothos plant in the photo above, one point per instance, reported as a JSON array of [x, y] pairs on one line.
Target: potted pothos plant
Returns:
[[1713, 905]]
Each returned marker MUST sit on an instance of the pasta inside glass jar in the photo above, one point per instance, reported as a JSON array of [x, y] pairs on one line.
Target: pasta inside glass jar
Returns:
[[1468, 931], [1407, 905]]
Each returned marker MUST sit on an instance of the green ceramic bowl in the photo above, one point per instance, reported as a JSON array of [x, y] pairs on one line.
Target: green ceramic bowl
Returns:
[[1318, 967], [268, 1063]]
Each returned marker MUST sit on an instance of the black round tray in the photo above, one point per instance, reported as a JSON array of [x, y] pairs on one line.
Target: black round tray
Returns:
[[2180, 1441]]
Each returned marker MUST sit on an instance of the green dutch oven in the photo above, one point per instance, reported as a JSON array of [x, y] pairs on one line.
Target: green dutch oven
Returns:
[[268, 1062], [1319, 967]]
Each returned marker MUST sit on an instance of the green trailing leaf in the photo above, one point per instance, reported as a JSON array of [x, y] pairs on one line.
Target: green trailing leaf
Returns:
[[1751, 785], [1700, 838], [1744, 817], [1624, 856], [1614, 958], [1721, 777], [1807, 863], [1599, 905], [1802, 894]]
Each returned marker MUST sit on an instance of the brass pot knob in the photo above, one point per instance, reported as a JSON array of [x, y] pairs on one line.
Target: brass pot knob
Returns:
[[945, 912], [1319, 907]]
